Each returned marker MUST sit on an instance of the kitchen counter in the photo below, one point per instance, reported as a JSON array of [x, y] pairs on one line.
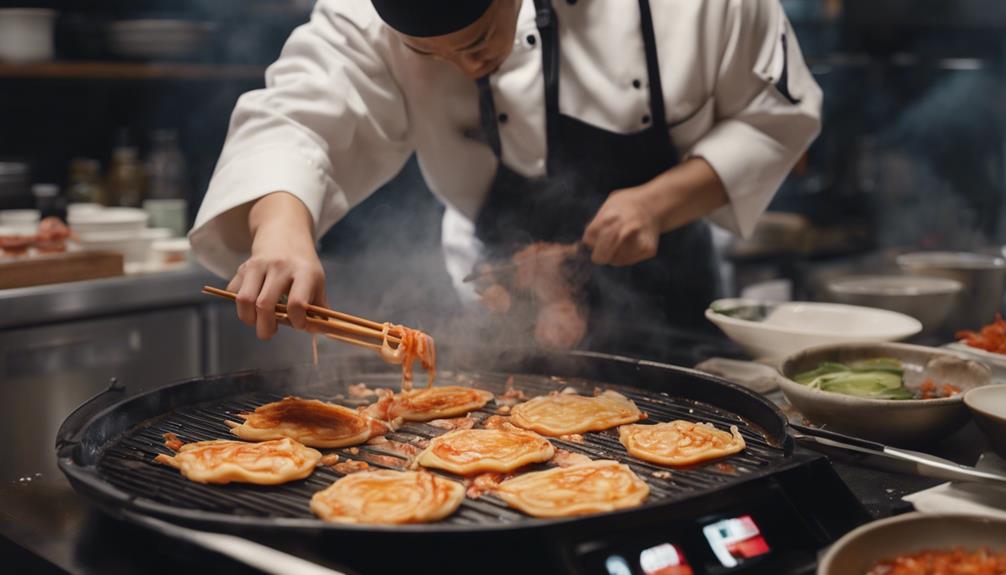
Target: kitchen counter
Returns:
[[46, 527], [53, 303]]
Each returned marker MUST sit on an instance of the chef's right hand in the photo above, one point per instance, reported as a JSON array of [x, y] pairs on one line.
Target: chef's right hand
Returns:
[[283, 261]]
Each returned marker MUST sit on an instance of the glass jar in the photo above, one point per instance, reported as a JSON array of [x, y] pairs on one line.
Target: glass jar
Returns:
[[85, 185], [127, 179]]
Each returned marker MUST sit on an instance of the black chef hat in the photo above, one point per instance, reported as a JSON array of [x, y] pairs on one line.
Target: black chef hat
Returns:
[[425, 18]]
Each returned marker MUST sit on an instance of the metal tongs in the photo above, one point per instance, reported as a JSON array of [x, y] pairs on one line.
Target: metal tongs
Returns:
[[896, 459]]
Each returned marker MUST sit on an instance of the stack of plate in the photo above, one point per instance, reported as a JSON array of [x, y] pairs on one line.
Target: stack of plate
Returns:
[[122, 230], [158, 39]]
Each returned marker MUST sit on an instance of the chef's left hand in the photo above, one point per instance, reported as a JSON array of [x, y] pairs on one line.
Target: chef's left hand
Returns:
[[624, 231]]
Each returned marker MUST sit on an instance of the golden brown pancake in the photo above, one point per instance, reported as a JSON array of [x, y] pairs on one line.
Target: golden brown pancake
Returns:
[[437, 403], [388, 497], [594, 487], [679, 442], [221, 461], [309, 421], [563, 414], [471, 451]]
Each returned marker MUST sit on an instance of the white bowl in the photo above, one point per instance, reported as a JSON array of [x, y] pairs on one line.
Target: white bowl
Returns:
[[155, 234], [863, 547], [792, 327], [171, 252], [19, 218], [108, 220], [26, 35], [988, 407], [81, 208], [133, 245], [928, 300]]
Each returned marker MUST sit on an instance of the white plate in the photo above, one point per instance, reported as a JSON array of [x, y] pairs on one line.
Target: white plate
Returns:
[[792, 327]]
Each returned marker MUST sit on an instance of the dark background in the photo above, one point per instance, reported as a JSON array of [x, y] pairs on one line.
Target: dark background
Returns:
[[912, 150]]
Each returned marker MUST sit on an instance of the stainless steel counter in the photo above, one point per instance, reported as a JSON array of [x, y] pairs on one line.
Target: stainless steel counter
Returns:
[[113, 296]]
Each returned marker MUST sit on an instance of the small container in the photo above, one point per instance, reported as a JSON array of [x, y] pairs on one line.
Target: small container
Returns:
[[49, 201], [15, 190], [19, 218], [26, 35], [85, 184], [127, 179], [171, 253], [983, 277], [170, 214], [166, 166]]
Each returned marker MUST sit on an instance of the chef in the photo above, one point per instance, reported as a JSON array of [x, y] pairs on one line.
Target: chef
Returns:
[[621, 124]]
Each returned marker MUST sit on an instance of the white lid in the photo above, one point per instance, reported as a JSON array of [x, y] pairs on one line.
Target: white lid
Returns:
[[45, 190], [108, 215], [82, 207], [19, 216], [173, 245], [157, 233]]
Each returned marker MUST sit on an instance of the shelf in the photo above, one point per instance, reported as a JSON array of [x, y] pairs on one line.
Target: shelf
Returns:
[[129, 71]]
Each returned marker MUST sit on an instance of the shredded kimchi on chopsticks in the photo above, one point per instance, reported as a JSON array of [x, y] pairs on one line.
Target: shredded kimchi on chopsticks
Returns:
[[414, 345]]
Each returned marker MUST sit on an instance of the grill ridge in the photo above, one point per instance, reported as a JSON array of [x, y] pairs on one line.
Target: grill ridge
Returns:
[[127, 462]]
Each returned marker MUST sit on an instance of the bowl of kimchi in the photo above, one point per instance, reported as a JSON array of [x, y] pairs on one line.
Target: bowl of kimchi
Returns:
[[920, 544]]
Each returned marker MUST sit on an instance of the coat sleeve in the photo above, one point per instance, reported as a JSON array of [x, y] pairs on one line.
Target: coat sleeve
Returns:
[[330, 127], [768, 110]]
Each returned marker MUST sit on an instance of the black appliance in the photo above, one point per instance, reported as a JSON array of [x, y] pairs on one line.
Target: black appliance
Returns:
[[769, 509]]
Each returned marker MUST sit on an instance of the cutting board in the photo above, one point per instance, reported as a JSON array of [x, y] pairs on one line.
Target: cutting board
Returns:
[[59, 268]]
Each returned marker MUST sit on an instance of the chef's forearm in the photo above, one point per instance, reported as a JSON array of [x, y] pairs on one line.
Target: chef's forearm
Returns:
[[281, 213], [685, 193]]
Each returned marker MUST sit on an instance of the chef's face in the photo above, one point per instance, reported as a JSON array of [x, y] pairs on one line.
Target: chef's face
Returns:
[[478, 49]]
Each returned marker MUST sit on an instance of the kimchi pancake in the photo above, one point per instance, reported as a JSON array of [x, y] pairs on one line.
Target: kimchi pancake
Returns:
[[564, 414], [309, 421], [223, 461], [594, 487], [437, 403], [388, 497], [471, 451], [679, 442]]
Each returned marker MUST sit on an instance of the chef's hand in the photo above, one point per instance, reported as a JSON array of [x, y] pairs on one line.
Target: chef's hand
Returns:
[[624, 231], [627, 228], [283, 261]]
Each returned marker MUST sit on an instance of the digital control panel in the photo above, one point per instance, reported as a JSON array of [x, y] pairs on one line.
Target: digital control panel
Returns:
[[730, 543]]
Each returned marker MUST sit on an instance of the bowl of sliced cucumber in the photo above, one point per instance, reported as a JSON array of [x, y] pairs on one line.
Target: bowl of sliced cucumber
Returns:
[[888, 392]]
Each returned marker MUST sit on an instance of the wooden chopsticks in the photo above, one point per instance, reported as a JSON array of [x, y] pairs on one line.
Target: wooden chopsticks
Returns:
[[333, 324]]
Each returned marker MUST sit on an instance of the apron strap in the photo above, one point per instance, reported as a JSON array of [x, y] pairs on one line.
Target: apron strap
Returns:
[[548, 28], [487, 116], [657, 114]]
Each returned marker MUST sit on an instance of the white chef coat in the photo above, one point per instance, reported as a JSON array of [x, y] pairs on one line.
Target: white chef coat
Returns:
[[346, 104]]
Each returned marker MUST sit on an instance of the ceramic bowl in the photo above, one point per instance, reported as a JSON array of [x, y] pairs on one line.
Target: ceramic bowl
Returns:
[[108, 220], [782, 329], [26, 35], [927, 299], [891, 421], [862, 548], [983, 278], [988, 407]]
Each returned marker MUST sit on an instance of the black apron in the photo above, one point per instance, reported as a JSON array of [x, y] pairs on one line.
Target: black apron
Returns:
[[629, 307]]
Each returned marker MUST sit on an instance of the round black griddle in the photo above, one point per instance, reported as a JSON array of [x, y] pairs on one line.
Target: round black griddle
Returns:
[[106, 449]]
